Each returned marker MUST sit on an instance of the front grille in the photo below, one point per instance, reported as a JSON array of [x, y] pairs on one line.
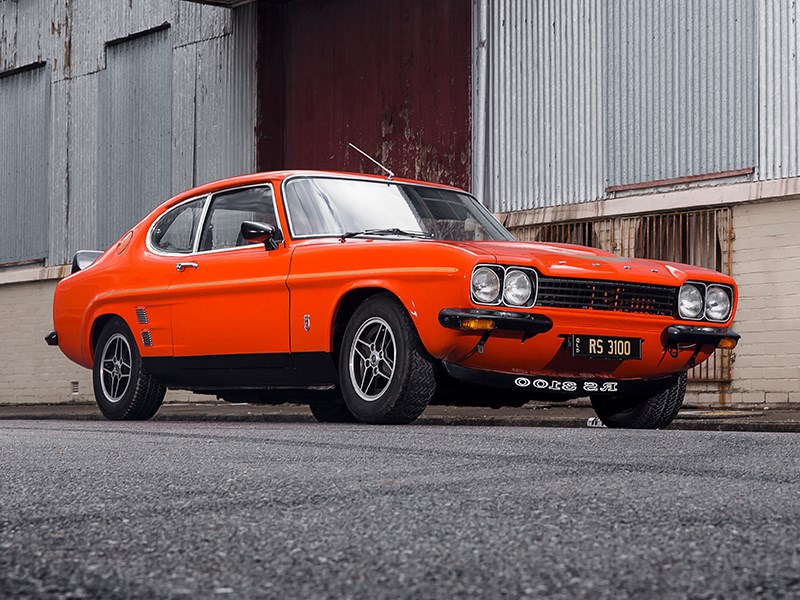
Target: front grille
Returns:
[[614, 296]]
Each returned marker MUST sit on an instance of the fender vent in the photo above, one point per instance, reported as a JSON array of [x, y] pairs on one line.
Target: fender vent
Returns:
[[141, 314], [74, 388], [147, 339]]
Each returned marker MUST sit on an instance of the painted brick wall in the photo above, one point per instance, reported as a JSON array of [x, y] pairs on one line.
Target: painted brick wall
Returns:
[[766, 265], [31, 372]]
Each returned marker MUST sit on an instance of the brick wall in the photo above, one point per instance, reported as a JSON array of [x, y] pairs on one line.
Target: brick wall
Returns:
[[31, 372], [766, 265]]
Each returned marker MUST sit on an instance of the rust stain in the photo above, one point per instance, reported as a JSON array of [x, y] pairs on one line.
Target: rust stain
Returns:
[[67, 53]]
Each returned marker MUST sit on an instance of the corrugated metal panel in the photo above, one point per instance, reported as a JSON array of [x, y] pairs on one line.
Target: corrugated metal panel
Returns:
[[223, 102], [92, 24], [24, 135], [681, 88], [538, 102], [779, 89], [134, 161], [390, 77], [59, 165], [83, 136]]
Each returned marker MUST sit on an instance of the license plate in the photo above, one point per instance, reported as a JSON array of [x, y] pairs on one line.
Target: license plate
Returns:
[[602, 346]]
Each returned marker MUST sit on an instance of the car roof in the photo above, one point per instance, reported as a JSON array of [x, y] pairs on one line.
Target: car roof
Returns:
[[261, 177]]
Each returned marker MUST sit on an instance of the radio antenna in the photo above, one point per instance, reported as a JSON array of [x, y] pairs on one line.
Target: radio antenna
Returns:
[[354, 147]]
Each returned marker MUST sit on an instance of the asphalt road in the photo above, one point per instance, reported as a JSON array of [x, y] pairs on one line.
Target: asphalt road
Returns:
[[220, 510]]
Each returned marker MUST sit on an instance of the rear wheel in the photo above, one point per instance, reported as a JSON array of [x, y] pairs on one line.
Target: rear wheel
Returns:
[[123, 388], [635, 412], [384, 373]]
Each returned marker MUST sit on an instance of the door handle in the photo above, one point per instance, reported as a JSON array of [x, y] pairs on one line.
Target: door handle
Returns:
[[184, 265]]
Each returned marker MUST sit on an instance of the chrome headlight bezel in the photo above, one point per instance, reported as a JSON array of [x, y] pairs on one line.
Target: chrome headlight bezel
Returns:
[[687, 288], [727, 293], [706, 313], [517, 277], [490, 271], [502, 272]]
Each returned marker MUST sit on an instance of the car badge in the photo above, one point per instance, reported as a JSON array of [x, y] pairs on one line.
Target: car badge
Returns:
[[306, 322]]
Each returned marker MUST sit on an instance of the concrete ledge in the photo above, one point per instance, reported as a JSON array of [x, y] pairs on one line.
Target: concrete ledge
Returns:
[[23, 275], [702, 196]]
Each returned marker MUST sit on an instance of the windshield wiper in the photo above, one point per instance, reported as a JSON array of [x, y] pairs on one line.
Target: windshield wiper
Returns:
[[388, 231]]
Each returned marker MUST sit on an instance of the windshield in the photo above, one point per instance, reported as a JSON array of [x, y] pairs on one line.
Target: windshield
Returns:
[[323, 206]]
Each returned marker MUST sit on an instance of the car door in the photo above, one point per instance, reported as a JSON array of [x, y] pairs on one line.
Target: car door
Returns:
[[230, 303]]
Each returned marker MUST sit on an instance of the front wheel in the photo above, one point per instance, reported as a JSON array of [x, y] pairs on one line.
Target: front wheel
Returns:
[[123, 388], [635, 412], [384, 373]]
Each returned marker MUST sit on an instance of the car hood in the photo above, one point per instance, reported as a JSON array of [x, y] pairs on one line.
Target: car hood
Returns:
[[566, 260]]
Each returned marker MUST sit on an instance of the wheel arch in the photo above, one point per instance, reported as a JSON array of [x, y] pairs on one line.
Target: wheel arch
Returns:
[[96, 329], [347, 305]]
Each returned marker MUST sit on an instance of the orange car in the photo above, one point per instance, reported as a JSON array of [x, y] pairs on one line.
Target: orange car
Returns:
[[370, 298]]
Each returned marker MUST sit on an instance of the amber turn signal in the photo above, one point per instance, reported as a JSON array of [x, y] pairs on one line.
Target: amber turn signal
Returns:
[[728, 343], [477, 324]]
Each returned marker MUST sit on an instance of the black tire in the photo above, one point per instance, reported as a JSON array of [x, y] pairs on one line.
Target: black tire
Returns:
[[123, 388], [655, 412], [375, 388], [332, 410]]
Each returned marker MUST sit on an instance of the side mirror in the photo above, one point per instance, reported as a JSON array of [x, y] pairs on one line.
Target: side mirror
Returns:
[[261, 233]]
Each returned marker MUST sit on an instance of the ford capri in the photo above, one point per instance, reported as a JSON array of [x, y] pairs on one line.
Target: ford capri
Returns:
[[369, 298]]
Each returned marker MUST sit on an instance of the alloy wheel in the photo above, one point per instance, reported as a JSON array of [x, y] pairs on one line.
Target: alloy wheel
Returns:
[[373, 354], [115, 361]]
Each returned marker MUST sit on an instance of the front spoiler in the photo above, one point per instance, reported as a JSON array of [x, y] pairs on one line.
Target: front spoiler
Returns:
[[562, 388]]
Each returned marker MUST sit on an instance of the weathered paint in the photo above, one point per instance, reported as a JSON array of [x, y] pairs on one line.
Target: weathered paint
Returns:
[[134, 167], [211, 108], [391, 77]]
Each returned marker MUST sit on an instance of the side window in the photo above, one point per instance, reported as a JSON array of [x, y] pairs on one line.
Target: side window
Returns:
[[176, 229], [222, 228]]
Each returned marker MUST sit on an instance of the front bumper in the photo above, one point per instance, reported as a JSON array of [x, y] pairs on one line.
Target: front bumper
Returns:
[[538, 344], [479, 319], [700, 336]]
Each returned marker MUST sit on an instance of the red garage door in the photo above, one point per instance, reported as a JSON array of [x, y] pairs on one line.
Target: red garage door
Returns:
[[392, 77]]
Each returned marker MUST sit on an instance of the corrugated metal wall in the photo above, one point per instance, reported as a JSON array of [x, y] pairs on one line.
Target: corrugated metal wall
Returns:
[[24, 133], [681, 86], [538, 136], [210, 83], [134, 166], [573, 97], [779, 89]]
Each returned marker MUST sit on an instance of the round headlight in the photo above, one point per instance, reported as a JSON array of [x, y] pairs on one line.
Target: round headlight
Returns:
[[718, 303], [690, 301], [517, 288], [485, 286]]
